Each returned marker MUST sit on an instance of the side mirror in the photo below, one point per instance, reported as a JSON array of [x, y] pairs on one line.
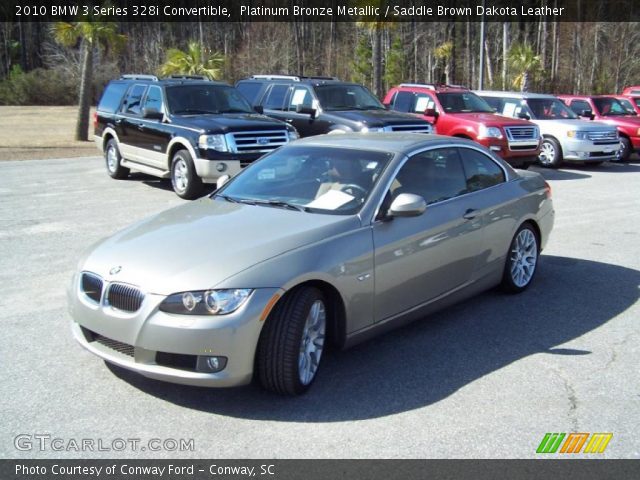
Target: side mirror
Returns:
[[524, 115], [258, 109], [152, 113], [407, 205], [587, 114], [431, 112], [222, 180], [306, 109]]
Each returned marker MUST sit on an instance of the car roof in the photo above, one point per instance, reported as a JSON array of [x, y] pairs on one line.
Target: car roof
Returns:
[[432, 87], [169, 81], [385, 142], [523, 95], [296, 79]]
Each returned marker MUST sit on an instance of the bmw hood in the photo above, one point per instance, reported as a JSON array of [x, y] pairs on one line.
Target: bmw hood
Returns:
[[197, 246], [229, 122]]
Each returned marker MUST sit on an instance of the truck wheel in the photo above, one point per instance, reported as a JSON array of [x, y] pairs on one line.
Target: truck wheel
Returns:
[[292, 341], [522, 260], [184, 179], [113, 158], [624, 152], [550, 153]]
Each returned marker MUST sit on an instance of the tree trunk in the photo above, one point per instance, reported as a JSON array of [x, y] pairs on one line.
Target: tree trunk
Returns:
[[505, 53], [524, 86], [82, 125], [376, 55], [488, 63]]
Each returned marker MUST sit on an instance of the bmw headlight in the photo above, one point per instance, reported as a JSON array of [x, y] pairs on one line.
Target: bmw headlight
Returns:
[[578, 135], [489, 132], [213, 142], [206, 302]]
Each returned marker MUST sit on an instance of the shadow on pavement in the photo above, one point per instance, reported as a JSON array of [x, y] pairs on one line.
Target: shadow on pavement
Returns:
[[429, 360]]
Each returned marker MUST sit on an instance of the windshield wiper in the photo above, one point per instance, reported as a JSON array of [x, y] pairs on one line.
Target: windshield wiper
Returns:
[[192, 111], [280, 204], [235, 110], [227, 198]]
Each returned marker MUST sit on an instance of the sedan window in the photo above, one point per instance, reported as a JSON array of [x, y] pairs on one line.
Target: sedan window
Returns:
[[435, 175], [480, 171]]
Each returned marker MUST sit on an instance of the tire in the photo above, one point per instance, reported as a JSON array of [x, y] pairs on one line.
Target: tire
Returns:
[[292, 341], [522, 260], [112, 160], [550, 153], [624, 153], [184, 178]]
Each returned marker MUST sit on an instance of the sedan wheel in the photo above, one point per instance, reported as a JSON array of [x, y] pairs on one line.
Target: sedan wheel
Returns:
[[550, 153], [292, 341], [522, 260]]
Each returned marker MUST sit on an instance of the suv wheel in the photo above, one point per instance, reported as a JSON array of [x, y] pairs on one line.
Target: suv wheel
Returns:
[[184, 179], [624, 152], [113, 158], [550, 153]]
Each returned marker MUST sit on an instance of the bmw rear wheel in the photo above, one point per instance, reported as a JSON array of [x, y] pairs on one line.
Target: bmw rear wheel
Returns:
[[292, 342], [522, 260]]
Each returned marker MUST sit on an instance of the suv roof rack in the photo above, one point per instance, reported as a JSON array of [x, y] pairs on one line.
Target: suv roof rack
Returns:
[[433, 86], [188, 77], [295, 78], [135, 76]]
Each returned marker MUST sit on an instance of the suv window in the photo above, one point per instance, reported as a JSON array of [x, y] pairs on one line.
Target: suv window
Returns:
[[132, 103], [436, 175], [346, 97], [403, 101], [112, 96], [423, 101], [609, 107], [249, 90], [463, 102], [300, 96], [494, 102], [578, 106], [203, 99], [153, 98], [275, 97], [549, 109], [480, 171]]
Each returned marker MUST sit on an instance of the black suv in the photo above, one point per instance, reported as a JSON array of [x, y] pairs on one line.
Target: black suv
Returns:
[[316, 105], [184, 127]]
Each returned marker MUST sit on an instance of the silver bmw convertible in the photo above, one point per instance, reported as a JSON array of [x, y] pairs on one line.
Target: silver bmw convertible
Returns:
[[329, 240]]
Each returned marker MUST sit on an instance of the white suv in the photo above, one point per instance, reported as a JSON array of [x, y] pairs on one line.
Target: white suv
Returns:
[[564, 136]]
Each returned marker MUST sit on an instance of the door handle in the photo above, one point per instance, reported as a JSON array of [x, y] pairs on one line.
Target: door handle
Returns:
[[141, 126], [118, 121], [470, 214], [288, 120]]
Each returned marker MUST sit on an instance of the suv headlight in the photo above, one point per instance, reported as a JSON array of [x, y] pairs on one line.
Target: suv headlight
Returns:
[[292, 134], [213, 142], [578, 135], [206, 302], [489, 132]]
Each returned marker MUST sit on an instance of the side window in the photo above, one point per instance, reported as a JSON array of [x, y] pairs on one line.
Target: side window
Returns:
[[250, 91], [153, 98], [275, 97], [578, 106], [480, 171], [112, 96], [423, 101], [494, 102], [402, 101], [132, 102], [300, 96], [435, 175]]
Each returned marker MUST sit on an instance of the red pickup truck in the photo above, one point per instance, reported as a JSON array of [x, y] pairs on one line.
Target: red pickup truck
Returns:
[[607, 109], [458, 112]]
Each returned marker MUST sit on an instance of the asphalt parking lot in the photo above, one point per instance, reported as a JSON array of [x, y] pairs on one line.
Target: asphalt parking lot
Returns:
[[484, 379]]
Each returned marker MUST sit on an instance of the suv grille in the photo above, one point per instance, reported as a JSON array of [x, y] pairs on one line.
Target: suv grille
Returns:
[[91, 286], [522, 133], [115, 345], [265, 141], [420, 128], [124, 297], [606, 137]]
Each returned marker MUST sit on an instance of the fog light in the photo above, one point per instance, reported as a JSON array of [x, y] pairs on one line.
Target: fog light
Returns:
[[221, 167], [495, 148], [211, 364]]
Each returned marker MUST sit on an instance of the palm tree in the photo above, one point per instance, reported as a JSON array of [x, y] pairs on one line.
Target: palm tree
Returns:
[[93, 35], [196, 60], [525, 63], [444, 52], [376, 27]]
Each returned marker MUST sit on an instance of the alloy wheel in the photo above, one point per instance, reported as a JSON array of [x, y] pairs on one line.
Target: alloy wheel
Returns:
[[312, 342], [524, 257]]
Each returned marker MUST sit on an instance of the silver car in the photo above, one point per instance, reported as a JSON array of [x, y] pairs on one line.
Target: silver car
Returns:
[[565, 137], [331, 239]]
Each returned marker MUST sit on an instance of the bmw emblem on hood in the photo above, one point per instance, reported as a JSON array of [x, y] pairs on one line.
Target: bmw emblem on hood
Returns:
[[115, 270]]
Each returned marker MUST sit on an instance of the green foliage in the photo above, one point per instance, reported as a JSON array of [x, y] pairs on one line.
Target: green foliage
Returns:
[[524, 64], [196, 60], [37, 87], [394, 65], [361, 68], [96, 34]]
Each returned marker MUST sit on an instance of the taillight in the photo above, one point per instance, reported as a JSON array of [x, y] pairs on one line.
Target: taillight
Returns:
[[547, 189], [95, 120]]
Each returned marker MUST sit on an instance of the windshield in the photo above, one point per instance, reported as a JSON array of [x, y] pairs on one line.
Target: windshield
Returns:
[[346, 97], [201, 99], [609, 107], [309, 178], [627, 106], [549, 109], [463, 102]]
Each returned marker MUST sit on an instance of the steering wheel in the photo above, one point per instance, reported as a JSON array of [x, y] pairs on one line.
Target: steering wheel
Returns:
[[355, 190]]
